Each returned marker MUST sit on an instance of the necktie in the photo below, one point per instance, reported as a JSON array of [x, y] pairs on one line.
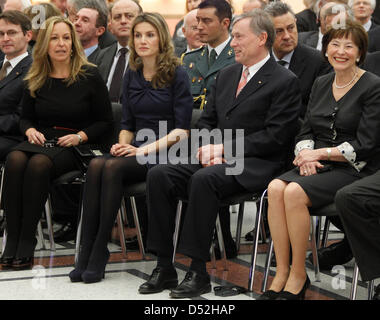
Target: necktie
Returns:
[[3, 71], [212, 58], [282, 62], [243, 81], [118, 76]]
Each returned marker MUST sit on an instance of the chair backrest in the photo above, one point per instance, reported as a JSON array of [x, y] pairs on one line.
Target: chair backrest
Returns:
[[112, 136]]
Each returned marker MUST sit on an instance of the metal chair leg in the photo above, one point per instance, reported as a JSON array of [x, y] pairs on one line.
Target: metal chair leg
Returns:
[[354, 284], [48, 211], [1, 186], [267, 266], [221, 243], [314, 226], [79, 233], [255, 243], [239, 225], [325, 232], [120, 224], [371, 288], [4, 240], [41, 235], [176, 229], [137, 224]]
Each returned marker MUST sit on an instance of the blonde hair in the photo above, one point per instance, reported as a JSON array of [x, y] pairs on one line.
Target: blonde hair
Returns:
[[42, 67], [166, 61]]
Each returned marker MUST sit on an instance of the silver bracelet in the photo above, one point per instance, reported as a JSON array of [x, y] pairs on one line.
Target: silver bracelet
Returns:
[[79, 137], [328, 153]]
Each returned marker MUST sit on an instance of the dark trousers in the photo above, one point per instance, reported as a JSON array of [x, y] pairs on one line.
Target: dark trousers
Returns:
[[358, 205], [203, 187]]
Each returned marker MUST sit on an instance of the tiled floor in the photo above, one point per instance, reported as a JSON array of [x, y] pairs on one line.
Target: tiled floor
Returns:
[[48, 280]]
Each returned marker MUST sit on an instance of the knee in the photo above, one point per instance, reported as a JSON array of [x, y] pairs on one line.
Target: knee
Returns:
[[276, 189], [40, 164], [157, 174], [295, 195], [343, 197]]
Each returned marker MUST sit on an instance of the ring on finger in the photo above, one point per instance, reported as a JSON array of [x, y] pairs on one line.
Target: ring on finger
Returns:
[[32, 142], [305, 171]]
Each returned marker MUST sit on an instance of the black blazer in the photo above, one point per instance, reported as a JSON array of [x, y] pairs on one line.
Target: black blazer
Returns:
[[94, 57], [306, 21], [374, 40], [106, 39], [267, 109], [106, 57], [11, 90], [309, 38], [307, 64], [372, 63]]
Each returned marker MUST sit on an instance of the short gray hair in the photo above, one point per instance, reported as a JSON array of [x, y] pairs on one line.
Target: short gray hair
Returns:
[[260, 22], [372, 3], [278, 8]]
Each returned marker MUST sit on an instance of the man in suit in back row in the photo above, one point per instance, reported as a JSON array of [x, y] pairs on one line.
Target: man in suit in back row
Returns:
[[15, 34], [114, 59], [305, 62], [90, 24], [256, 95]]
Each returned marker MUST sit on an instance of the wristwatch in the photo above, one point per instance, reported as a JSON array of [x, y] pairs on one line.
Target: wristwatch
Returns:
[[79, 137]]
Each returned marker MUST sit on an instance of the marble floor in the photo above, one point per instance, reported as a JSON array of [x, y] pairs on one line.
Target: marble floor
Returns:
[[48, 280]]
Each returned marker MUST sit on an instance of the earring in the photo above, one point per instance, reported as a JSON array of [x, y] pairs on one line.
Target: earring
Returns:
[[358, 59], [326, 55]]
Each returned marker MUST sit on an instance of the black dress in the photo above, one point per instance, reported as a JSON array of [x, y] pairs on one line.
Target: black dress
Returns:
[[59, 110], [355, 118]]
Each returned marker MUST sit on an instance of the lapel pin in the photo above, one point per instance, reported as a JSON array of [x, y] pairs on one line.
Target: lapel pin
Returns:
[[229, 52], [259, 82], [193, 80], [191, 65]]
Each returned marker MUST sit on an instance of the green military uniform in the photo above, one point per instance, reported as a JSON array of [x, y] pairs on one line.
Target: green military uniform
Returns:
[[196, 63]]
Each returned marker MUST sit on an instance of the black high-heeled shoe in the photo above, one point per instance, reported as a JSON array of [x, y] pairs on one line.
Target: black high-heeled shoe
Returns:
[[96, 274], [270, 295], [76, 275], [286, 295]]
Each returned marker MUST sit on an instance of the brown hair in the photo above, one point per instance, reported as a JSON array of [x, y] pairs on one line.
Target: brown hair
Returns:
[[166, 61], [17, 18], [350, 28]]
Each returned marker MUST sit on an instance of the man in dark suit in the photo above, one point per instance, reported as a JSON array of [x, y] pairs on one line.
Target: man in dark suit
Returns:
[[363, 10], [255, 95], [122, 14], [307, 19], [15, 34], [374, 40], [372, 63], [305, 62], [90, 24]]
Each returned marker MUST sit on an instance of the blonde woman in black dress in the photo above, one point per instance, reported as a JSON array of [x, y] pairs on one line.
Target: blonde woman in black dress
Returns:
[[338, 144], [67, 100]]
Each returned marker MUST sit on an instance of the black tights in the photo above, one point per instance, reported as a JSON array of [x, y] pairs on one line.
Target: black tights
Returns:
[[106, 178], [26, 186]]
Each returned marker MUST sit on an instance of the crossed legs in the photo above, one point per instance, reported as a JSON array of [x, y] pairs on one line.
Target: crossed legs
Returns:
[[289, 223]]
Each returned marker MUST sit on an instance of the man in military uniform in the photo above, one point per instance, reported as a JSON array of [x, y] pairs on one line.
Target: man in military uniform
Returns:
[[202, 65]]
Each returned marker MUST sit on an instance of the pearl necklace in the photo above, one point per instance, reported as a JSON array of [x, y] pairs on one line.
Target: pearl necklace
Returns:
[[346, 85]]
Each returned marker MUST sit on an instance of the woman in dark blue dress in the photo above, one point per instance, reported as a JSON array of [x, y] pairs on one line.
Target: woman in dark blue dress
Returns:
[[156, 94]]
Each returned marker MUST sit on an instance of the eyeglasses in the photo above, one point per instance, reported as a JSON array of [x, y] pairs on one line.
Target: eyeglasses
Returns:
[[9, 33]]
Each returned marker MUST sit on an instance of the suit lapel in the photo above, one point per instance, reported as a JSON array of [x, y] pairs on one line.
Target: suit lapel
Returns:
[[220, 62], [297, 64], [255, 83], [16, 71]]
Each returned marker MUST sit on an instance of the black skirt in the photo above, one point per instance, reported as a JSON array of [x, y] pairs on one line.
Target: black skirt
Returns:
[[64, 159], [322, 187]]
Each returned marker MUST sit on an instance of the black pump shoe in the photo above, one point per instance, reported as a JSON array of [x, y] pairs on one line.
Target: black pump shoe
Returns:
[[159, 280], [269, 295], [76, 275], [92, 276], [285, 295]]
